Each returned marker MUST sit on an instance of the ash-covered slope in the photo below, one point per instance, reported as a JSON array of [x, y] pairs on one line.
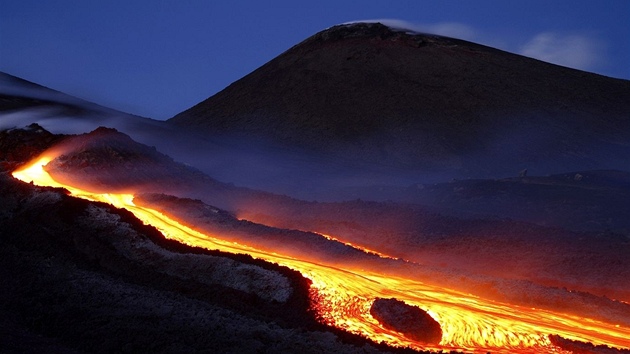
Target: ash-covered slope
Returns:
[[374, 95]]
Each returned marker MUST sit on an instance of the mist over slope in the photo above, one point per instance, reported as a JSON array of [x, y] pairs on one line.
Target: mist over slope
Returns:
[[24, 102], [391, 102], [486, 244]]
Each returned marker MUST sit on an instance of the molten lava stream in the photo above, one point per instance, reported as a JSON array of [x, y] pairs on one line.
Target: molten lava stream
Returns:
[[343, 296]]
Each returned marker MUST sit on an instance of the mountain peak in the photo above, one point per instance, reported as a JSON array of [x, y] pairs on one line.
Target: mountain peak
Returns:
[[386, 96], [361, 30], [380, 34]]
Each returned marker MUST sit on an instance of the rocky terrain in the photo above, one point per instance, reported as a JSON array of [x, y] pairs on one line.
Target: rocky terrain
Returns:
[[406, 144], [413, 321], [586, 348], [103, 270], [86, 277]]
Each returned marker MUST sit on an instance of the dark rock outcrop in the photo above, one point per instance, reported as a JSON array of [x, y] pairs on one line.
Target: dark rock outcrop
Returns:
[[578, 347], [412, 321], [21, 145]]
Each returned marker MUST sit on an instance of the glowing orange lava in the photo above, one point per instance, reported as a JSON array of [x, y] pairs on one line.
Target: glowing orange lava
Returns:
[[344, 296], [361, 248]]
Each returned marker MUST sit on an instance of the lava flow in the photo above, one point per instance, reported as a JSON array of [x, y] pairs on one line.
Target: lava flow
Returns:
[[343, 296]]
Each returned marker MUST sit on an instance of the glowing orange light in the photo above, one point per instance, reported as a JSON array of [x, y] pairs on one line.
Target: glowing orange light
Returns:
[[361, 248], [344, 296]]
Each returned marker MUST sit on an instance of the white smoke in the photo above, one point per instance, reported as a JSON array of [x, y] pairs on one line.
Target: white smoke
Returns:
[[578, 51], [14, 87], [574, 51]]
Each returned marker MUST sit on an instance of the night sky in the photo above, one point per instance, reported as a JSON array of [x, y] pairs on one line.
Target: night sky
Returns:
[[156, 58]]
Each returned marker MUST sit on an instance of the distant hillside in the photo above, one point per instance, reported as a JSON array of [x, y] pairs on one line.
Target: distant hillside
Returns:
[[374, 95], [23, 102], [17, 93]]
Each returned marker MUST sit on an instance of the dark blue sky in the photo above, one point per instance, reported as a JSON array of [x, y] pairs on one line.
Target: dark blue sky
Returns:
[[156, 58]]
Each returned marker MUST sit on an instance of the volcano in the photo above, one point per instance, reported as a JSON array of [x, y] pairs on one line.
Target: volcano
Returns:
[[113, 244], [378, 97]]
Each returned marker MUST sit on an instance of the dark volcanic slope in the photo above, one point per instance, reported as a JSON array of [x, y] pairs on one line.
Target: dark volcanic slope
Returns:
[[375, 95]]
